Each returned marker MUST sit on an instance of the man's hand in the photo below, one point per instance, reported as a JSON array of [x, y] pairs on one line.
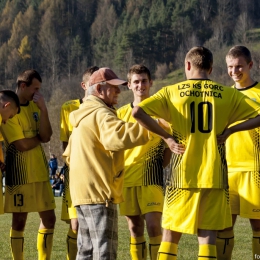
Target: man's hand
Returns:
[[38, 99], [175, 147], [45, 130], [224, 136]]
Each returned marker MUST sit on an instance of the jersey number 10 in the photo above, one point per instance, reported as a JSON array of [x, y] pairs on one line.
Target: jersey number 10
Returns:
[[201, 107]]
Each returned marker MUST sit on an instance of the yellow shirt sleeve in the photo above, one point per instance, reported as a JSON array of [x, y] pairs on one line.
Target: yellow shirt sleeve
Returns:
[[12, 130]]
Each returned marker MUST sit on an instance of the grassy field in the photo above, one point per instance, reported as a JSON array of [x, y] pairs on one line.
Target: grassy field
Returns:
[[188, 246]]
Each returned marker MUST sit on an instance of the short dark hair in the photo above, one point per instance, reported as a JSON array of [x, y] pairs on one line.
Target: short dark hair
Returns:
[[138, 69], [27, 77], [200, 57], [238, 51], [88, 72], [8, 95]]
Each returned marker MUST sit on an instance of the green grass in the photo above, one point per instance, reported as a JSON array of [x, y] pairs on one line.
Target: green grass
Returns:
[[188, 246]]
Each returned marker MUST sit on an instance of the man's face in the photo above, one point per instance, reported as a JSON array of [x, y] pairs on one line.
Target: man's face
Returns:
[[8, 111], [238, 68], [140, 85], [28, 92], [110, 94]]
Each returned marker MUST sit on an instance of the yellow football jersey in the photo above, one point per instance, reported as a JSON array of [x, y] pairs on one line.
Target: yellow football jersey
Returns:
[[68, 211], [199, 110], [143, 164], [65, 126], [29, 166], [243, 150]]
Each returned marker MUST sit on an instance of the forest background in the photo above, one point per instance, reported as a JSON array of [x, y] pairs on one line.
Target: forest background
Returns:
[[61, 38]]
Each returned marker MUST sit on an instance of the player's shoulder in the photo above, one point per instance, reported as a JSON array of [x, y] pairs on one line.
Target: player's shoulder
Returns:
[[257, 84], [255, 87], [124, 109], [253, 91], [29, 105], [175, 87], [69, 103], [27, 108], [256, 90], [220, 85]]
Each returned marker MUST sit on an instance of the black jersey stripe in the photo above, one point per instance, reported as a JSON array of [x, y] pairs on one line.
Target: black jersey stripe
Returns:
[[153, 169], [16, 167]]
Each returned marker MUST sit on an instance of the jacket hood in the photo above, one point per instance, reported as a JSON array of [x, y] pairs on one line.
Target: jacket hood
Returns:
[[90, 105]]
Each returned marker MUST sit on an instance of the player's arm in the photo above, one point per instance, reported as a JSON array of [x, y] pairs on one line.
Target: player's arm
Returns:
[[165, 125], [27, 144], [45, 130], [14, 134], [167, 155], [151, 125], [245, 125]]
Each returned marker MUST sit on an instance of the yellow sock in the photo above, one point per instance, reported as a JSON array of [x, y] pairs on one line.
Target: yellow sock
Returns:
[[225, 244], [44, 243], [154, 245], [17, 241], [138, 250], [72, 244], [256, 245], [207, 252], [167, 251]]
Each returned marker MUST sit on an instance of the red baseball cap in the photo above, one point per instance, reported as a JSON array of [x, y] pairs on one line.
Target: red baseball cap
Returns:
[[105, 75]]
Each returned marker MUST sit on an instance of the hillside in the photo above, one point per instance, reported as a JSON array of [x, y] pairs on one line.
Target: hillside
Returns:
[[61, 38]]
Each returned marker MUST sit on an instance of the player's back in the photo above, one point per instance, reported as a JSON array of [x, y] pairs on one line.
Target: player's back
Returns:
[[198, 110]]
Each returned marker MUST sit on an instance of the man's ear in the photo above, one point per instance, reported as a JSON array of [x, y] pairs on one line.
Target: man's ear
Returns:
[[188, 65], [99, 89], [7, 104], [83, 85], [22, 85]]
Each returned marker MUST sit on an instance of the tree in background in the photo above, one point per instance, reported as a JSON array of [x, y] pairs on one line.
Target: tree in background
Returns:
[[61, 38], [25, 52]]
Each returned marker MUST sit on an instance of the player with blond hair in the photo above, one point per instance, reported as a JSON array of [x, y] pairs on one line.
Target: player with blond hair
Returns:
[[243, 154], [198, 188]]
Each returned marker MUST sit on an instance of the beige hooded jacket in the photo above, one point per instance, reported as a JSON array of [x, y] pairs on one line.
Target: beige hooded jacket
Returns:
[[95, 153]]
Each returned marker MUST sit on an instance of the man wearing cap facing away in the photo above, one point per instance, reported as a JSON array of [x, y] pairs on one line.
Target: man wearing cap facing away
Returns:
[[95, 155]]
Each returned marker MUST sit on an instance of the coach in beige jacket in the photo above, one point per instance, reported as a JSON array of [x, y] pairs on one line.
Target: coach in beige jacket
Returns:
[[95, 155]]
